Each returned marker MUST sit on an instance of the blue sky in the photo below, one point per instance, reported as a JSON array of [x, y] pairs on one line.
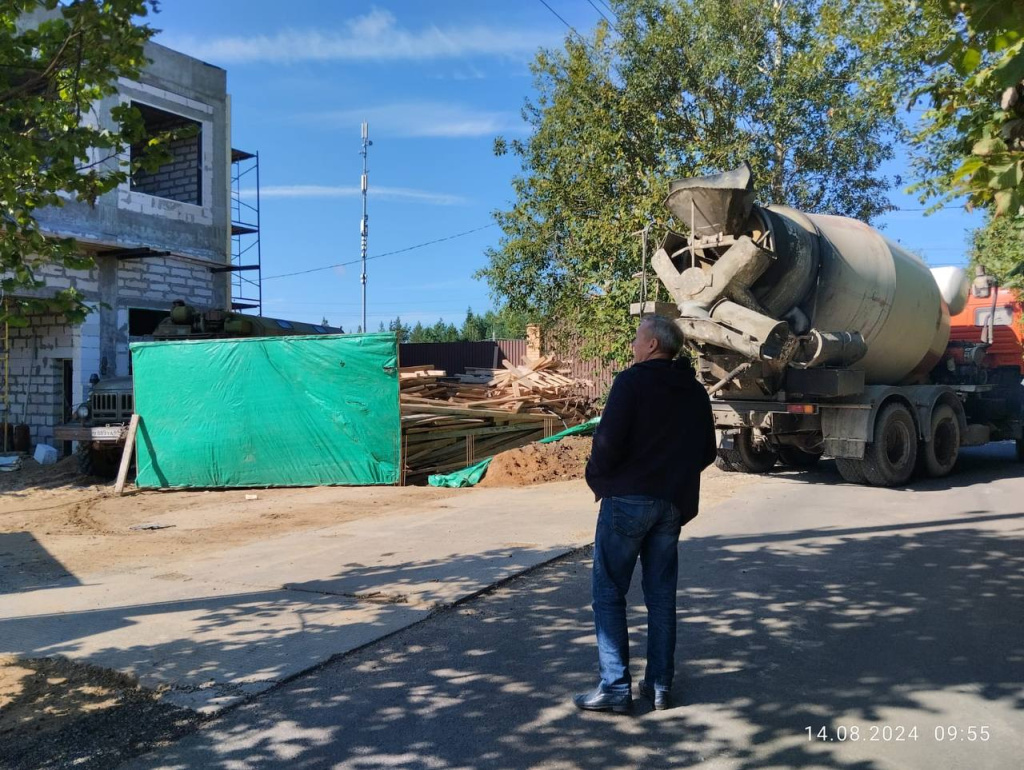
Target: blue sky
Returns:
[[437, 81]]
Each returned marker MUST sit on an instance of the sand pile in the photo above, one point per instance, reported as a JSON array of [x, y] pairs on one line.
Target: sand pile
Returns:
[[538, 463], [32, 475]]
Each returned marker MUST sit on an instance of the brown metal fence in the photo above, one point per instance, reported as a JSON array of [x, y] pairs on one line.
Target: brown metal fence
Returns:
[[455, 357]]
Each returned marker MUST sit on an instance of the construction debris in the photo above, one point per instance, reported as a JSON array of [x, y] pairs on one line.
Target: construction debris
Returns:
[[449, 423]]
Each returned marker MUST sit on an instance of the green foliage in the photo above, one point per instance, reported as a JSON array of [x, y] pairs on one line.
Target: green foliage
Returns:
[[805, 90], [500, 325], [439, 332], [999, 247], [971, 141], [54, 145]]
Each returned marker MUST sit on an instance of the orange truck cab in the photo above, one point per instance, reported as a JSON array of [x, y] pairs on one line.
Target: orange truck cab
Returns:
[[971, 326]]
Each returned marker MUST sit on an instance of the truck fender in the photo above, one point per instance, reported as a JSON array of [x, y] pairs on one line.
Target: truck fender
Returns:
[[924, 399], [849, 427]]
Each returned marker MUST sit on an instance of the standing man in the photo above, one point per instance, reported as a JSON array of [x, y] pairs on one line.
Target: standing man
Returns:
[[655, 437]]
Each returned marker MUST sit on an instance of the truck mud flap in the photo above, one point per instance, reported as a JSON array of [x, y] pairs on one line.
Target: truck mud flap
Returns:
[[846, 430]]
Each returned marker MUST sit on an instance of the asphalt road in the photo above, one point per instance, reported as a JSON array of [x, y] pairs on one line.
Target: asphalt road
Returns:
[[821, 625]]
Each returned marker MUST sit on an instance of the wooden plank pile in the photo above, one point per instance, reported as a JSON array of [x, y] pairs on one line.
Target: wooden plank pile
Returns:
[[447, 425], [540, 385], [422, 382]]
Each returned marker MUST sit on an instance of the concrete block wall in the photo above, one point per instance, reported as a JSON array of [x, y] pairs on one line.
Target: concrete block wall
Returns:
[[100, 344], [165, 279], [58, 277], [129, 217], [37, 354], [196, 228], [180, 180]]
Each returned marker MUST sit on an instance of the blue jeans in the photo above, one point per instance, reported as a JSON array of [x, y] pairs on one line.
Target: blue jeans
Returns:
[[629, 527]]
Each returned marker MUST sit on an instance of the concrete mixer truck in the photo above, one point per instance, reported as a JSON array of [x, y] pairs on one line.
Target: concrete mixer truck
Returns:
[[817, 336]]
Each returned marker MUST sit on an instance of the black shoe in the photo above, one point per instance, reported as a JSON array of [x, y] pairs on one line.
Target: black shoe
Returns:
[[662, 699], [599, 700]]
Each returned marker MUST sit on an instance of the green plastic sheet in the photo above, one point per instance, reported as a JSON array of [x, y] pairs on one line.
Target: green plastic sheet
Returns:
[[468, 477], [257, 412]]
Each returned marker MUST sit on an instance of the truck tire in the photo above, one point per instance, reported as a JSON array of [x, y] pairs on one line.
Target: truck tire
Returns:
[[100, 463], [750, 459], [939, 455], [1020, 450], [890, 459], [852, 471], [723, 462], [797, 458]]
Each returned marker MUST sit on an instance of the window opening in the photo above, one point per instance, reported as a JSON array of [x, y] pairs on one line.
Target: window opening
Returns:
[[180, 179]]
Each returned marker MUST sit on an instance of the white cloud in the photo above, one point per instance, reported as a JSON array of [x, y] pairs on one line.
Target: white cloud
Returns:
[[422, 119], [373, 37], [386, 193]]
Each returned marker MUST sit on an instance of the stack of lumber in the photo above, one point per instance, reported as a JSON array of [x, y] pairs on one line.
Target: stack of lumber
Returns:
[[422, 382], [540, 385], [438, 437], [449, 425]]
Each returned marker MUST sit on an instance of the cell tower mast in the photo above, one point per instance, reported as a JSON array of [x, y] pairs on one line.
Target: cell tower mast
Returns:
[[363, 227]]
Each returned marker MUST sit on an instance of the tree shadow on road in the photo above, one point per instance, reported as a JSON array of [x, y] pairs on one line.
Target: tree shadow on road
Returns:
[[221, 641], [778, 632]]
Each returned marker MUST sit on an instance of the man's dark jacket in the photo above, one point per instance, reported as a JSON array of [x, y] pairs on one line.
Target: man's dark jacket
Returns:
[[656, 435]]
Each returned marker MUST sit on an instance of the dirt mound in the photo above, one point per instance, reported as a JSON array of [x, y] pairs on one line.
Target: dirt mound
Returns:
[[538, 463], [32, 475]]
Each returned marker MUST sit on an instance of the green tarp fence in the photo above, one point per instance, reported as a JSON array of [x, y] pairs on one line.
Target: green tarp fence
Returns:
[[468, 477], [258, 412]]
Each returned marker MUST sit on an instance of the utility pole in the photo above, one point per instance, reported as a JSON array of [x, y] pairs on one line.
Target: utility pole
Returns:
[[363, 228]]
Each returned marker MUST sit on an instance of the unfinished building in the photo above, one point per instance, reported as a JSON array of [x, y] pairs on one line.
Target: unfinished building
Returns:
[[160, 237]]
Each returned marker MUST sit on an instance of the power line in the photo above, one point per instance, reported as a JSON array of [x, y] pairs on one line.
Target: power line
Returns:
[[557, 16], [592, 5], [378, 256], [288, 304], [929, 208], [602, 2]]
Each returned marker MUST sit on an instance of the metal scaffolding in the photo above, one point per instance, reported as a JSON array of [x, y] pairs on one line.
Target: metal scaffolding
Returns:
[[245, 267]]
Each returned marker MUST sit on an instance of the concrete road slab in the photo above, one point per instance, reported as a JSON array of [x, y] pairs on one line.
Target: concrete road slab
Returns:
[[218, 629], [208, 652], [433, 556]]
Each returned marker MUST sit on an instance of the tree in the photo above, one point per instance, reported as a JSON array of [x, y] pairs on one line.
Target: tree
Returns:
[[806, 91], [474, 328], [57, 66], [999, 247], [971, 140], [418, 333], [504, 324], [402, 330], [442, 332]]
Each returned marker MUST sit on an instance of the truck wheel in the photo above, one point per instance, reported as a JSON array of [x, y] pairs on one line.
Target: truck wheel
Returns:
[[724, 463], [889, 460], [101, 463], [1020, 450], [752, 459], [852, 471], [797, 458], [940, 454]]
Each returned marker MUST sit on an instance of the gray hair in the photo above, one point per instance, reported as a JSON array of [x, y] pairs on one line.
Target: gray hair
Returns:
[[669, 336]]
